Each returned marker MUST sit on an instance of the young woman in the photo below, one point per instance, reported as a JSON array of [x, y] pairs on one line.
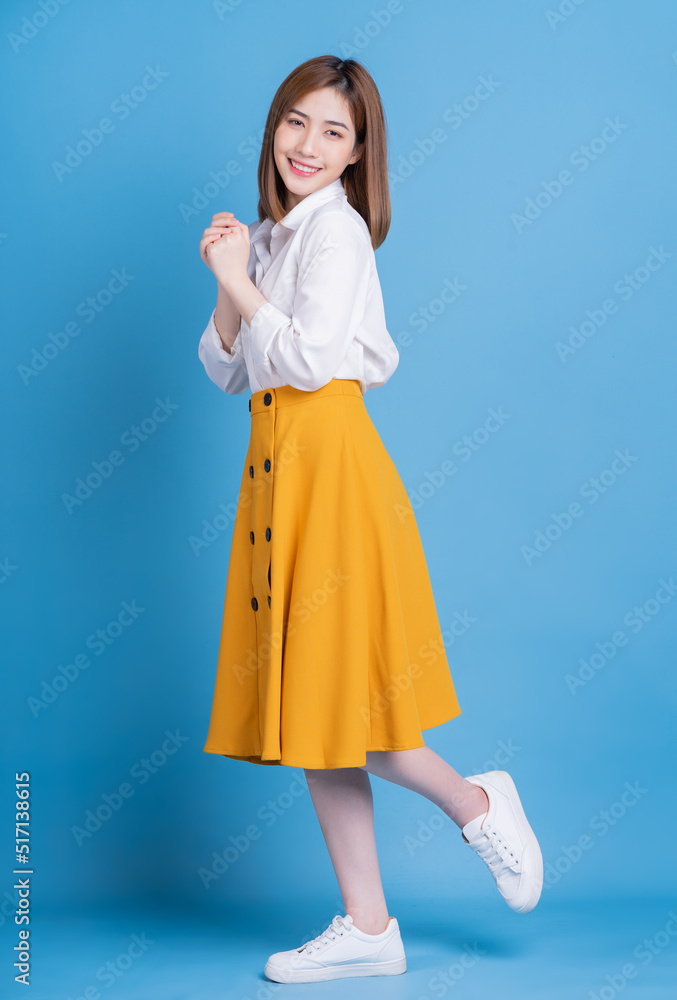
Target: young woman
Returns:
[[331, 655]]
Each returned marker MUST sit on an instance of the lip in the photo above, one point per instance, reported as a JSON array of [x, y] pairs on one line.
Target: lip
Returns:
[[300, 173]]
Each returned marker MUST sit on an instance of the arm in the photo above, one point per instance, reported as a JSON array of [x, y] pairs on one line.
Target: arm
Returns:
[[226, 318], [307, 347], [222, 355], [220, 349], [227, 369]]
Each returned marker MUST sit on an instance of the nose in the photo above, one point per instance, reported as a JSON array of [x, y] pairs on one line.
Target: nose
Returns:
[[307, 147]]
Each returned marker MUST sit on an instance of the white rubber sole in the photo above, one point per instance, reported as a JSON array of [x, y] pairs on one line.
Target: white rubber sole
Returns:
[[392, 968], [532, 859]]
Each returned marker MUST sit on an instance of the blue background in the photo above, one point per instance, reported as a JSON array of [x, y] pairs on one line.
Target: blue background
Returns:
[[461, 190]]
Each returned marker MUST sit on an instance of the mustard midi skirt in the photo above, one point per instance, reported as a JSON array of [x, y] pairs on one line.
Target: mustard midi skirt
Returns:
[[330, 644]]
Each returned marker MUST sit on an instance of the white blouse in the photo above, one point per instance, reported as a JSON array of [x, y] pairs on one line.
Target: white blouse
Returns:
[[324, 317]]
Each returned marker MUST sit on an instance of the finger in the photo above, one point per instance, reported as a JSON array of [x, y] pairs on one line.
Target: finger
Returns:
[[224, 224], [208, 242]]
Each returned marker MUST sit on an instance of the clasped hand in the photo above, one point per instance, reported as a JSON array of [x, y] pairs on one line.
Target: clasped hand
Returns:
[[224, 247]]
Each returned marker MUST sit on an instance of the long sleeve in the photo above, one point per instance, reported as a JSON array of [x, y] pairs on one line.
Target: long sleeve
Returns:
[[306, 348], [228, 371]]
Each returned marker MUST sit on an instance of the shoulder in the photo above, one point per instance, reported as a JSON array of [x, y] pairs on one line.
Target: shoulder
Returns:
[[336, 222]]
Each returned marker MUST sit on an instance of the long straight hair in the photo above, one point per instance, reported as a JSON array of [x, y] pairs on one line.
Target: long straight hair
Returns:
[[366, 181]]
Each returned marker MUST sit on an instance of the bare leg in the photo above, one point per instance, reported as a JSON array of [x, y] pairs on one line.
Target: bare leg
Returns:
[[425, 772], [344, 804]]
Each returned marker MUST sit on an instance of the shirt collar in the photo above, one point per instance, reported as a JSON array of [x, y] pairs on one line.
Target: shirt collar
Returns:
[[295, 216], [267, 232]]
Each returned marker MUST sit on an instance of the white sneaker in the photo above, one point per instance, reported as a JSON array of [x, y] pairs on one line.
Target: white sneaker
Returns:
[[506, 843], [340, 952]]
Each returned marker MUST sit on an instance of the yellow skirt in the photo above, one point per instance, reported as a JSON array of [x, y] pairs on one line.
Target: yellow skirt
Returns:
[[330, 644]]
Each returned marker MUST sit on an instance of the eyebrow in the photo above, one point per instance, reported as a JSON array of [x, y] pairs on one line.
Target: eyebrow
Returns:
[[326, 121]]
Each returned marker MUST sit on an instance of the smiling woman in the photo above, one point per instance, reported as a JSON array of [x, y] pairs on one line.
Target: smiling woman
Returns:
[[331, 656]]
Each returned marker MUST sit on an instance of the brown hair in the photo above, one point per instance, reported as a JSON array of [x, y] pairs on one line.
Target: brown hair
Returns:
[[366, 181]]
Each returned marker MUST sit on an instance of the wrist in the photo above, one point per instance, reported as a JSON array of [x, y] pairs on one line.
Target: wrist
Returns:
[[231, 282]]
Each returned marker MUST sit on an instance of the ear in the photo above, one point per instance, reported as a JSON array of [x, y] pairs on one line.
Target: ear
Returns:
[[357, 154]]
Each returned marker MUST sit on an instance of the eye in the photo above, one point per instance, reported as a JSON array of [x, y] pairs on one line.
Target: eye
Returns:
[[297, 121]]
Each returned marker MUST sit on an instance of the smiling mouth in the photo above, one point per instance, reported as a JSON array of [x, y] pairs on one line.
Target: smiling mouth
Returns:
[[301, 168]]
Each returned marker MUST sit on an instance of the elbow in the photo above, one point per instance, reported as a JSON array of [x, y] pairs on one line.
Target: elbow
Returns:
[[309, 364], [309, 373]]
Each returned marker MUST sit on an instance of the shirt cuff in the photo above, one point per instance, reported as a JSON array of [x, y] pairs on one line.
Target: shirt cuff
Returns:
[[214, 345], [264, 326]]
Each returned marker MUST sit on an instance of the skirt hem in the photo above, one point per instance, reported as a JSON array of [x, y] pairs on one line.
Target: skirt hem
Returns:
[[257, 759]]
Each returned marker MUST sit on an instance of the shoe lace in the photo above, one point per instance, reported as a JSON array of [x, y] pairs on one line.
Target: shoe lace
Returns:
[[495, 852], [337, 928]]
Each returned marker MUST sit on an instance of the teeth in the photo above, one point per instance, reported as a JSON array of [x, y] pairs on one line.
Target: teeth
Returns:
[[307, 170]]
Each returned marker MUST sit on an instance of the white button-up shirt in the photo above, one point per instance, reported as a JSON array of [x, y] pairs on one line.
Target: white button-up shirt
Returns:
[[324, 317]]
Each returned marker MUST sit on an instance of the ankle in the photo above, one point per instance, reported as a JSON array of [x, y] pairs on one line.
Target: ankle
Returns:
[[369, 923], [477, 804]]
